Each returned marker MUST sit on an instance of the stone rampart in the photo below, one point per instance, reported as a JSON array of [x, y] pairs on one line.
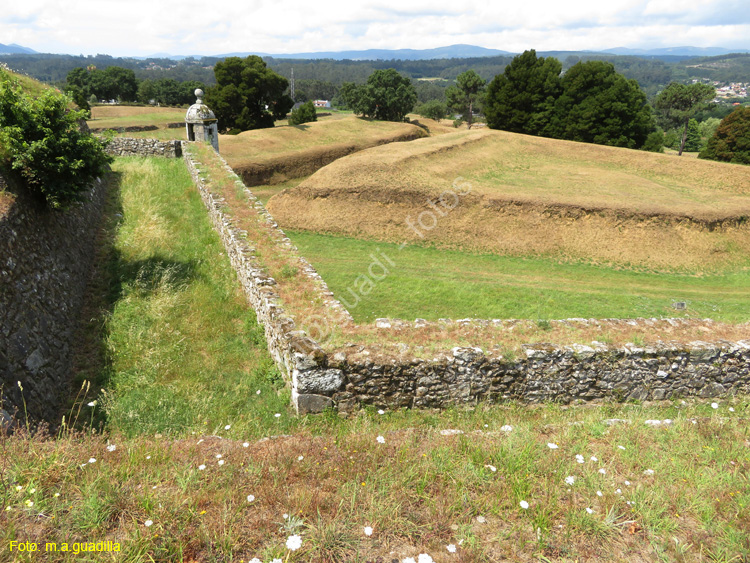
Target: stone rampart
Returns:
[[45, 260], [356, 375], [128, 146]]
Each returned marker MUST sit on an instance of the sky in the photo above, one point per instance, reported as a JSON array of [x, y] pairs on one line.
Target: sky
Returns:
[[190, 27]]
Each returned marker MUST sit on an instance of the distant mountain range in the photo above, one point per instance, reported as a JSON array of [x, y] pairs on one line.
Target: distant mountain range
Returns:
[[449, 52], [14, 49]]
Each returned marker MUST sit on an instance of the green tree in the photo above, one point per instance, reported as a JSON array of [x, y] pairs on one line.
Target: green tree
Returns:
[[303, 114], [122, 83], [466, 93], [731, 142], [433, 109], [693, 142], [248, 94], [522, 99], [387, 96], [41, 141], [679, 102], [599, 105]]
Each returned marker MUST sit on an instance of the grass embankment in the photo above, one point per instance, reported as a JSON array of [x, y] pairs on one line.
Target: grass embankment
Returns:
[[180, 475], [518, 195], [418, 281], [273, 156]]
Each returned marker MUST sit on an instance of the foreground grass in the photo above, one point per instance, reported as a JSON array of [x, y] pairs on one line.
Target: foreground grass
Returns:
[[432, 283], [674, 492]]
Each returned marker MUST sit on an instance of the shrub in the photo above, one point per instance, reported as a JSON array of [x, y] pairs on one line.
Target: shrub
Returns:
[[654, 142], [731, 141], [434, 109], [303, 114], [41, 141]]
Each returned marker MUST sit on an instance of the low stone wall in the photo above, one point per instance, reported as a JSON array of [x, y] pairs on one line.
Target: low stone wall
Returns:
[[128, 146], [357, 375], [45, 259]]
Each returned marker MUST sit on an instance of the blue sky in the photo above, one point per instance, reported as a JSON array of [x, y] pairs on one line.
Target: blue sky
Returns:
[[185, 27]]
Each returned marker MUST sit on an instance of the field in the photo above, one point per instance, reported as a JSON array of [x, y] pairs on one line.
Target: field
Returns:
[[113, 117], [199, 459], [431, 283]]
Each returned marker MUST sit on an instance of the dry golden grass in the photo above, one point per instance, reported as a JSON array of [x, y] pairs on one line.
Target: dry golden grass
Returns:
[[529, 195], [113, 117], [272, 156]]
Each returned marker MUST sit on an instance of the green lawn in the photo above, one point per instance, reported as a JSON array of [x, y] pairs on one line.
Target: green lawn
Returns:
[[430, 283]]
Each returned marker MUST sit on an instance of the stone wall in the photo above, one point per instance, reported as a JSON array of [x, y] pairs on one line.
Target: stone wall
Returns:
[[45, 258], [127, 146], [356, 375]]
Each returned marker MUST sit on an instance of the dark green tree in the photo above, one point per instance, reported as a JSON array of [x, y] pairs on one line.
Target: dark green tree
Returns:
[[679, 102], [387, 96], [41, 141], [599, 105], [466, 94], [731, 141], [248, 94], [303, 114], [693, 142], [522, 99], [122, 83], [433, 109]]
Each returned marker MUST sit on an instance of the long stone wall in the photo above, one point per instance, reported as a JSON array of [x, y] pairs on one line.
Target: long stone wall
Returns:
[[356, 375], [128, 146], [45, 258]]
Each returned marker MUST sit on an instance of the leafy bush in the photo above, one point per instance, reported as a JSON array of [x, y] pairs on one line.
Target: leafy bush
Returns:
[[303, 114], [731, 142], [41, 141], [434, 109]]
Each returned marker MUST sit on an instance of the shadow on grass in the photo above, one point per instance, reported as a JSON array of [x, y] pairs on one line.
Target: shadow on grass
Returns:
[[112, 276]]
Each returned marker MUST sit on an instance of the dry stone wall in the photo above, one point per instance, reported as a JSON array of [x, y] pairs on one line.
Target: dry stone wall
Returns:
[[349, 378], [45, 258], [128, 146]]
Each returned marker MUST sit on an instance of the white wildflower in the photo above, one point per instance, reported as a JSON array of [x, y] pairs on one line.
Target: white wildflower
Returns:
[[278, 415], [506, 428], [92, 460], [579, 458], [257, 392], [570, 480], [245, 444], [29, 503], [227, 427], [524, 504], [599, 494], [293, 543], [381, 411], [201, 467], [627, 483], [714, 405], [408, 560], [368, 530], [451, 548], [481, 519], [250, 498], [111, 448], [648, 472], [221, 462], [148, 523], [552, 446], [92, 404], [603, 471], [300, 458], [380, 440], [621, 447], [424, 558], [618, 492], [491, 467], [218, 456], [593, 458]]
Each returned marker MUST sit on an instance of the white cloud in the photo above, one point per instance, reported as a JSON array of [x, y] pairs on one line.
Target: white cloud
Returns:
[[142, 27]]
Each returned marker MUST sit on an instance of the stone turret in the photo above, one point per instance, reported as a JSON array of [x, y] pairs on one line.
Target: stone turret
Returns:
[[200, 122]]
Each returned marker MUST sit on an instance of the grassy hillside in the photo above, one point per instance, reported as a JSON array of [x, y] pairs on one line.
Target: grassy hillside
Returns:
[[524, 195], [275, 155]]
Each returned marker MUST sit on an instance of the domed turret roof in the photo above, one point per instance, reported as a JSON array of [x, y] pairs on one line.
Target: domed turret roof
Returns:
[[199, 112]]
